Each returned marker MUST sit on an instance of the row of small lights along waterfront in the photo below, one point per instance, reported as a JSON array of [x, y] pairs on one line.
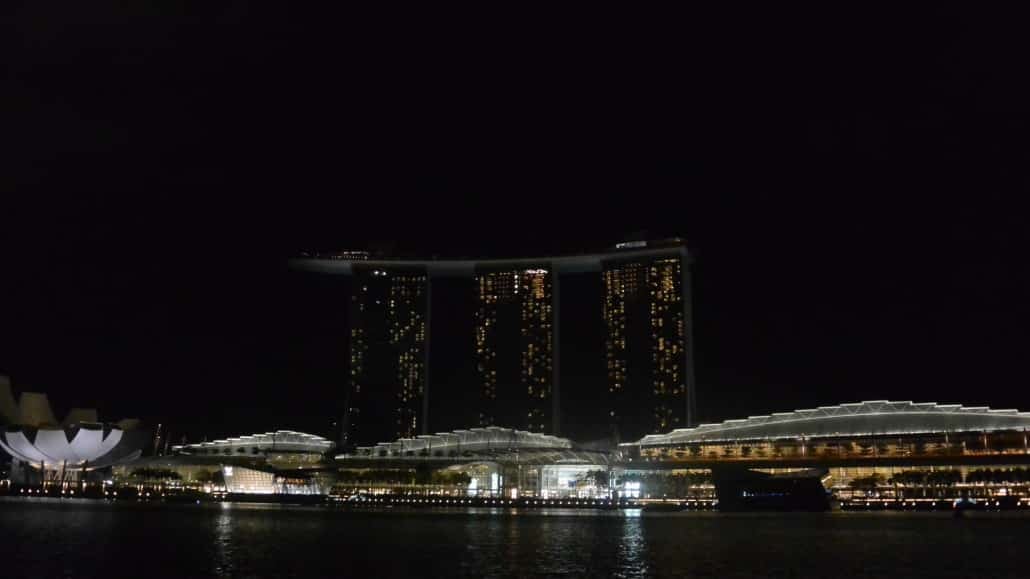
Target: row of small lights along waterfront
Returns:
[[495, 502]]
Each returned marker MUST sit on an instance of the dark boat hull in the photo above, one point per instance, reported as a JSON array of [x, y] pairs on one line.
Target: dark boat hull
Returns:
[[741, 489]]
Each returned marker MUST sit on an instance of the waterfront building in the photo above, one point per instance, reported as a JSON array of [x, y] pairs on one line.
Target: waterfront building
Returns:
[[516, 341], [45, 450], [270, 463], [514, 347], [649, 372], [494, 462], [868, 451], [389, 349], [251, 481], [876, 448]]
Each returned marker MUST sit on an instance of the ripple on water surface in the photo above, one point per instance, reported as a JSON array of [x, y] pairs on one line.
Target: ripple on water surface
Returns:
[[79, 538]]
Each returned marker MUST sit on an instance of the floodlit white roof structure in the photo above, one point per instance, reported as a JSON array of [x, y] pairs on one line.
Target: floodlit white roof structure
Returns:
[[873, 418], [278, 441], [85, 446], [489, 444], [32, 434], [472, 440]]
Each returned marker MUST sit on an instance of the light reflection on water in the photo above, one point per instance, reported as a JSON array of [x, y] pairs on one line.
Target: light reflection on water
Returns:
[[632, 552], [77, 538], [223, 543]]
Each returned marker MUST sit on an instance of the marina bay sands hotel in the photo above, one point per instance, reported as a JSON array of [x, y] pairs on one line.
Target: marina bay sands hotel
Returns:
[[648, 351]]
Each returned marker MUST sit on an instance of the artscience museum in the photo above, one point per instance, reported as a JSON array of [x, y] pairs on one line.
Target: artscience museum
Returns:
[[43, 447]]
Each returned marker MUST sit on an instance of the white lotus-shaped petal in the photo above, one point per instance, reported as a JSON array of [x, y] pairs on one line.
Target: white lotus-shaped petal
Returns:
[[88, 443], [54, 445], [19, 446], [87, 448]]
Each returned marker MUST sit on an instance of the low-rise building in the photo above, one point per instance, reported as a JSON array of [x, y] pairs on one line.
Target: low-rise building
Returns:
[[879, 448]]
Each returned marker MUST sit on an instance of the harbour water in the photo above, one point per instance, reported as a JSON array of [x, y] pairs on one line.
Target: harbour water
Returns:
[[82, 538]]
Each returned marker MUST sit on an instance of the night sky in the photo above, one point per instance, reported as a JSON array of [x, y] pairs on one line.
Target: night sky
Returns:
[[852, 188]]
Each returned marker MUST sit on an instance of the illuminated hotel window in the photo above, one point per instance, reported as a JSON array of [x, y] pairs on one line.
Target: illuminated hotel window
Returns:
[[643, 313], [514, 314], [388, 349]]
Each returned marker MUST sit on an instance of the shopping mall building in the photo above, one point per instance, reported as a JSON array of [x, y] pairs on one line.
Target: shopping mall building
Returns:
[[283, 462], [876, 448], [478, 462]]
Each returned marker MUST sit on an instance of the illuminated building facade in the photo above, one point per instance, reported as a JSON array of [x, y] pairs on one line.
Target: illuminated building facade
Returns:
[[55, 452], [514, 347], [389, 349], [880, 451], [646, 313], [516, 340], [499, 462]]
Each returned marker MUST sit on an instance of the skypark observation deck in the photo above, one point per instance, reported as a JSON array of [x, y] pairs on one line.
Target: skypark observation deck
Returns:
[[344, 262]]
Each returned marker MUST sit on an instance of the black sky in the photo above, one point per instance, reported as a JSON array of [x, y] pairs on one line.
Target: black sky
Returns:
[[852, 185]]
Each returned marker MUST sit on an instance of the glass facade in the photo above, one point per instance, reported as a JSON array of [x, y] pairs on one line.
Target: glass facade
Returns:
[[645, 344], [244, 480], [513, 340], [513, 308], [388, 350], [928, 447]]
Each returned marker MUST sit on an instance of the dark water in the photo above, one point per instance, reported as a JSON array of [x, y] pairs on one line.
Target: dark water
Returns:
[[52, 538]]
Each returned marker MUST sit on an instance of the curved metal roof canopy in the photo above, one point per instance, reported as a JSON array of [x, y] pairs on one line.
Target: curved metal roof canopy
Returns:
[[280, 440], [878, 417], [472, 440]]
